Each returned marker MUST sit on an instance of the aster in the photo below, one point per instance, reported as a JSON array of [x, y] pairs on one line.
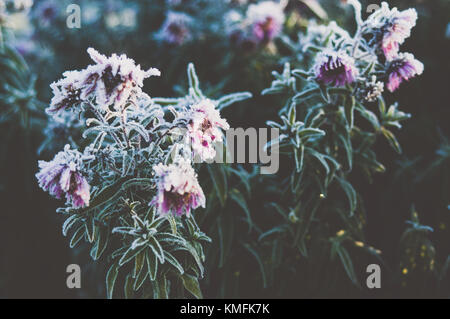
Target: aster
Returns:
[[113, 79], [178, 190], [176, 28], [403, 68], [335, 68], [266, 20], [205, 129], [63, 176], [391, 28]]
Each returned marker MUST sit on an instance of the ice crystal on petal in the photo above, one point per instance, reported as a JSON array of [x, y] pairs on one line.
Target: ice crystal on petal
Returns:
[[178, 190], [205, 129], [335, 68], [403, 68], [63, 176]]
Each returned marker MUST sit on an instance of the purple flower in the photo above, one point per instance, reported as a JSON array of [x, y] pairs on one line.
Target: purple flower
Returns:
[[63, 177], [403, 68], [335, 68], [391, 27], [266, 19], [178, 190], [111, 81], [176, 28], [66, 92]]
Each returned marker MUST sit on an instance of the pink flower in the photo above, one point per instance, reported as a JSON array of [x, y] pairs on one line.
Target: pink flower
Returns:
[[391, 28], [335, 68], [178, 190], [113, 79], [205, 129], [403, 68], [266, 19], [176, 28], [63, 176]]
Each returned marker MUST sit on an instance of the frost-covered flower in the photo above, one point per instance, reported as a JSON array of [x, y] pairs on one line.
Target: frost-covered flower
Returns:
[[66, 92], [63, 176], [176, 29], [266, 20], [403, 68], [178, 190], [113, 79], [371, 89], [390, 28], [205, 129], [335, 68]]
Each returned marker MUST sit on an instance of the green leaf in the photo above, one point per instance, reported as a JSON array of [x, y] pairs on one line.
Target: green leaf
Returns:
[[347, 263], [350, 111], [140, 278], [79, 233], [240, 200], [129, 254], [163, 288], [102, 242], [152, 264], [111, 277], [128, 287], [229, 99], [194, 83], [174, 262], [260, 263], [156, 248], [139, 263], [350, 192], [219, 179], [392, 140], [191, 284], [68, 223]]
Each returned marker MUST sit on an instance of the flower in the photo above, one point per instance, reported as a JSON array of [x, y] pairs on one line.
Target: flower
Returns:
[[63, 176], [370, 89], [205, 129], [335, 68], [391, 27], [66, 92], [113, 79], [178, 190], [176, 28], [266, 19], [403, 68]]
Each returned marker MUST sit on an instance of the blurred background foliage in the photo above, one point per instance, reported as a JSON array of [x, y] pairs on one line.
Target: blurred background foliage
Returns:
[[407, 207]]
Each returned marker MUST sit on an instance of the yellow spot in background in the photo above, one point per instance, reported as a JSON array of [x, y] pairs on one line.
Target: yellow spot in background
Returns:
[[405, 271], [359, 244], [341, 233]]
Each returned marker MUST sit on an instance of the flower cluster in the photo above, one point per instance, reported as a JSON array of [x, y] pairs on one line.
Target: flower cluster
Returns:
[[131, 135], [178, 190], [390, 28], [65, 175], [348, 61], [110, 82]]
